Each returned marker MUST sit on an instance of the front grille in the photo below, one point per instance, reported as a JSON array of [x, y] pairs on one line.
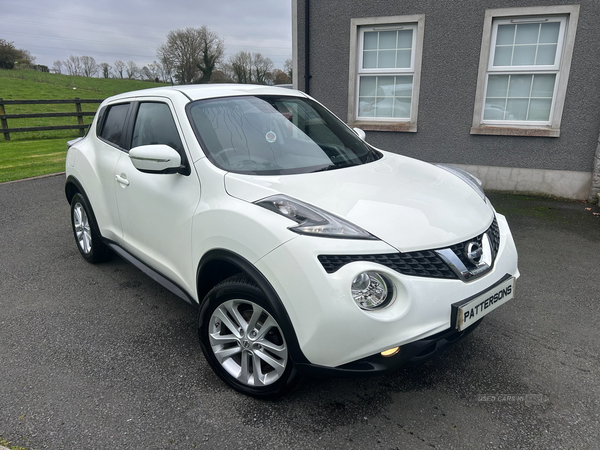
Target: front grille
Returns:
[[421, 264], [424, 263], [493, 234]]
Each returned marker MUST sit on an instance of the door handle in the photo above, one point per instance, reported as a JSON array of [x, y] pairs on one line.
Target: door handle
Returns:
[[122, 180]]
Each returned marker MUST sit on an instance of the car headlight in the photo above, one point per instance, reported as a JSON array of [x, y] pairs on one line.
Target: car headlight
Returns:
[[468, 178], [371, 290], [312, 220]]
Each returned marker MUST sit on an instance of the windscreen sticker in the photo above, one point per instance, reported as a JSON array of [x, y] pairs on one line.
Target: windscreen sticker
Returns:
[[271, 137]]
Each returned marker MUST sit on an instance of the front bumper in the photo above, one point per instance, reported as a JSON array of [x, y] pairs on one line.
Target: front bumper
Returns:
[[411, 354], [333, 332]]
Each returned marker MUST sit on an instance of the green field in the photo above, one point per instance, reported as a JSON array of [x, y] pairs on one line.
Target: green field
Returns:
[[42, 152], [25, 159], [31, 85]]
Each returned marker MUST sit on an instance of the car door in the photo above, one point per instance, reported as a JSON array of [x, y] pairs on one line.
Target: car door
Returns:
[[111, 130], [156, 210]]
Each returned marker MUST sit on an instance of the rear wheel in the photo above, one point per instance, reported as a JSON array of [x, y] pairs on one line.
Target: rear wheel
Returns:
[[86, 231], [243, 341]]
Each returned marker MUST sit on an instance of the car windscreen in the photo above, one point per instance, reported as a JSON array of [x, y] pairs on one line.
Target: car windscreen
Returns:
[[272, 135]]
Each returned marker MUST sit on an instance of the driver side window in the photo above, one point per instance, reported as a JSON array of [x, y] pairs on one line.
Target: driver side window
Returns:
[[154, 124]]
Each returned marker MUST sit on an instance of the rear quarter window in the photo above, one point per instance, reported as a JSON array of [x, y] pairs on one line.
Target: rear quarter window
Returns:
[[114, 123]]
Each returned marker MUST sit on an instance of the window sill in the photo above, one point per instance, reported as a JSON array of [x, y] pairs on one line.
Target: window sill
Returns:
[[406, 127], [496, 130]]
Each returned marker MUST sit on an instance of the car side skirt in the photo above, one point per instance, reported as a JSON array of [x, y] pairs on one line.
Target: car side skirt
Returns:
[[160, 279]]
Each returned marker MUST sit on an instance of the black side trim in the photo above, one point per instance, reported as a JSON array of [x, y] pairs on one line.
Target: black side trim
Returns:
[[160, 279], [274, 301]]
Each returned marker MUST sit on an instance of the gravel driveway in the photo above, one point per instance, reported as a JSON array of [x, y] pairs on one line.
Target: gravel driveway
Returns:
[[98, 357]]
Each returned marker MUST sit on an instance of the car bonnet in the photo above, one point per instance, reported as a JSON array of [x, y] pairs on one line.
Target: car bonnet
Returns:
[[407, 203]]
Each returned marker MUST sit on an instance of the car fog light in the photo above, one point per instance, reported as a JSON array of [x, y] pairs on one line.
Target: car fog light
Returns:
[[390, 352], [371, 290]]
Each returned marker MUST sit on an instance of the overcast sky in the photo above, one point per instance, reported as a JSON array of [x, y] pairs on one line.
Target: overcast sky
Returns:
[[132, 30]]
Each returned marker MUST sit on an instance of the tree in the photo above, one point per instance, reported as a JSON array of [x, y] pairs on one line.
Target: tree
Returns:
[[261, 69], [152, 72], [8, 54], [119, 68], [165, 70], [73, 65], [212, 53], [57, 66], [280, 77], [240, 66], [288, 68], [105, 69], [24, 60], [146, 74], [69, 67], [191, 54], [132, 70], [89, 67], [12, 57], [221, 76], [246, 67]]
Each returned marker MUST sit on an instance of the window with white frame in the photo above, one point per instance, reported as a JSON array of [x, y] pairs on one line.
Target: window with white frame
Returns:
[[526, 69], [385, 72]]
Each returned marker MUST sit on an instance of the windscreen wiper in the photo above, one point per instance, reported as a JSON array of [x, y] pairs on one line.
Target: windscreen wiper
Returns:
[[325, 168]]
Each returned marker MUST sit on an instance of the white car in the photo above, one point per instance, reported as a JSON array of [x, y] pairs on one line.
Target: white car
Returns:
[[304, 247]]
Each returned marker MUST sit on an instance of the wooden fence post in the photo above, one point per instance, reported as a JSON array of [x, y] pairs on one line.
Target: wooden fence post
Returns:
[[80, 117], [4, 121]]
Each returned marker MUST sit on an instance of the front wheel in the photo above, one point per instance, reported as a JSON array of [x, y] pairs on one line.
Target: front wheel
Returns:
[[243, 341]]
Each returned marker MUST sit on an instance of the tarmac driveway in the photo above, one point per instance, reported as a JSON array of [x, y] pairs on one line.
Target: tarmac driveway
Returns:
[[98, 357]]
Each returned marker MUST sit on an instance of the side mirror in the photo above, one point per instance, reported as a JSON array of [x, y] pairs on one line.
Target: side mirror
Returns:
[[159, 158], [360, 133]]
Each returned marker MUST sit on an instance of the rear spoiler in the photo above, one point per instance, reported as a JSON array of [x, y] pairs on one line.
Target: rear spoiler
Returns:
[[73, 142]]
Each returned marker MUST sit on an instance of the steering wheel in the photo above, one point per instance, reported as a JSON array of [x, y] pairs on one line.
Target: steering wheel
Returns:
[[241, 160], [222, 152]]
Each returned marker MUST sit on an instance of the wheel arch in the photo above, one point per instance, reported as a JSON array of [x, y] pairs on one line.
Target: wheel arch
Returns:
[[220, 264], [72, 187]]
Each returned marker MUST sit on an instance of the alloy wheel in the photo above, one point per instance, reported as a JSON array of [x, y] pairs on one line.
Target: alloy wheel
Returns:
[[248, 343], [83, 231]]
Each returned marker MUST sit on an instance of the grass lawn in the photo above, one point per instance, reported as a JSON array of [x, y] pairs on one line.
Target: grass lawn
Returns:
[[42, 152], [25, 159], [31, 85], [7, 444]]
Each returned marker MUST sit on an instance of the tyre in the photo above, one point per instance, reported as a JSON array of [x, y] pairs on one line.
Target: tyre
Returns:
[[243, 341], [87, 235]]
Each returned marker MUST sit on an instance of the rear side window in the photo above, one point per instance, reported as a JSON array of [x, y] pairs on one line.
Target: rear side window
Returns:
[[112, 131]]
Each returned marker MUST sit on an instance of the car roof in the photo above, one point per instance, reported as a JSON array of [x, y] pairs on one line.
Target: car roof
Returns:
[[204, 91]]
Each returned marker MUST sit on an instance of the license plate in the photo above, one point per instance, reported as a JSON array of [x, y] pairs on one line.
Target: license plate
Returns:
[[469, 311]]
